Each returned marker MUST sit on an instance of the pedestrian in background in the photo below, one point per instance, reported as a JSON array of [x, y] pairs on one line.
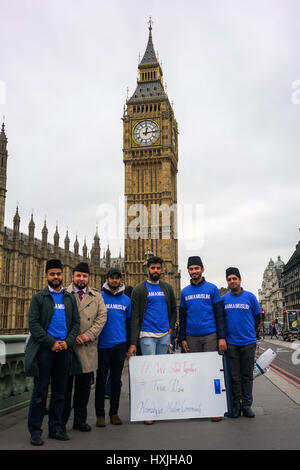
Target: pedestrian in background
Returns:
[[273, 332]]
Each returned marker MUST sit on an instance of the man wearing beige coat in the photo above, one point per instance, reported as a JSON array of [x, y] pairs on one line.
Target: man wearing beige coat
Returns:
[[93, 315]]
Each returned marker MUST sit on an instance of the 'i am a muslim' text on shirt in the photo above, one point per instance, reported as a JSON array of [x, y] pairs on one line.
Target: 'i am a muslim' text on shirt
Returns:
[[118, 310], [58, 326], [239, 312], [199, 300], [156, 319]]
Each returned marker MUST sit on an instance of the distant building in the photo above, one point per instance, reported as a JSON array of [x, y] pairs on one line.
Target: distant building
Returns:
[[23, 260], [271, 295], [291, 280], [223, 291]]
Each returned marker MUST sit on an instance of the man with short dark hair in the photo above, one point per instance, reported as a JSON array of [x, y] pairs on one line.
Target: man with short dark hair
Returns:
[[50, 355], [201, 313], [112, 347], [93, 314], [153, 313], [242, 313]]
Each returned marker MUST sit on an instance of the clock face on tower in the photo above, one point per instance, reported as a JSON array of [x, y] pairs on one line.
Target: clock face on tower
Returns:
[[145, 132]]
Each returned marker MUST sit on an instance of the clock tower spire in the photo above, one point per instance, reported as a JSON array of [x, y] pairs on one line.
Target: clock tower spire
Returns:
[[150, 156]]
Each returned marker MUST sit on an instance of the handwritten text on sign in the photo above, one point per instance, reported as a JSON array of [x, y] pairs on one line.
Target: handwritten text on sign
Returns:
[[177, 386]]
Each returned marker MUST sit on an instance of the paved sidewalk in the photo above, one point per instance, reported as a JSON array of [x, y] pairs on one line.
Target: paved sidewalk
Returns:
[[276, 426]]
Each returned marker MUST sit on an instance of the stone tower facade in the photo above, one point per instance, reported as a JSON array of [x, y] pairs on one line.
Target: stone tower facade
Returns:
[[150, 155], [271, 294], [3, 177]]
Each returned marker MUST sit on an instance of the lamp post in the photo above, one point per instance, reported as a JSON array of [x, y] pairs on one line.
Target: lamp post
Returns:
[[147, 256]]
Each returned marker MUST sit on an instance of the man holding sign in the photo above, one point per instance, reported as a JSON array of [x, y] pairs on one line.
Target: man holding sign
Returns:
[[201, 314], [153, 313]]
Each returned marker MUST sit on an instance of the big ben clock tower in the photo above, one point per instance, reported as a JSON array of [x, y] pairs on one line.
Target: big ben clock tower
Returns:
[[150, 155]]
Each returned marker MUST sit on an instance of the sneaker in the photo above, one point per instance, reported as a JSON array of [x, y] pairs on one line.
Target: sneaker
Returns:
[[83, 427], [248, 412], [100, 423], [59, 435], [36, 440], [114, 419]]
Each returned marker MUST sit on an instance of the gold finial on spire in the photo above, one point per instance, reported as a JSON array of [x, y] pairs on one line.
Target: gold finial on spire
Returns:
[[3, 124], [150, 23]]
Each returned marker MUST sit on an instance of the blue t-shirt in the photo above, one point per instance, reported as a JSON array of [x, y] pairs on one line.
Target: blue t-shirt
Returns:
[[58, 326], [239, 312], [156, 318], [118, 310], [199, 300]]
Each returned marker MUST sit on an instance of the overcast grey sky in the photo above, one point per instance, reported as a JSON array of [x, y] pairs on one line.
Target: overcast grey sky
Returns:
[[230, 68]]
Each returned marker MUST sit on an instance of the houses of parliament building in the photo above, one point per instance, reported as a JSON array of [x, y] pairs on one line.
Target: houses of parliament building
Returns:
[[23, 260], [150, 156]]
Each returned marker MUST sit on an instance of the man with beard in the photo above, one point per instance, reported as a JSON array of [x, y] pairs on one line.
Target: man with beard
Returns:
[[201, 314], [112, 347], [243, 313], [92, 312], [50, 353], [153, 314]]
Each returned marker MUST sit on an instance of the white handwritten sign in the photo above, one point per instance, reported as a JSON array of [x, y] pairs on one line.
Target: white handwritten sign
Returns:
[[177, 386]]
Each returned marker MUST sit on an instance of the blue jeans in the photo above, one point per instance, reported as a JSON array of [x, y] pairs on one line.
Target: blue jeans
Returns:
[[152, 346]]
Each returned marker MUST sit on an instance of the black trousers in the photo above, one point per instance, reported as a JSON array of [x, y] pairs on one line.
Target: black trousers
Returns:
[[81, 397], [241, 361], [109, 360], [54, 366]]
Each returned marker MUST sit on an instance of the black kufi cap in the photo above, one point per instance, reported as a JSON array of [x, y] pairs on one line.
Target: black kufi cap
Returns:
[[194, 260], [53, 264], [234, 271], [82, 268]]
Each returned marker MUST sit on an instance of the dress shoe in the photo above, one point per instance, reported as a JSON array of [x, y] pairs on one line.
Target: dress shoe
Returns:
[[100, 423], [148, 422], [237, 411], [59, 435], [248, 412], [215, 419], [36, 440], [84, 427], [114, 419]]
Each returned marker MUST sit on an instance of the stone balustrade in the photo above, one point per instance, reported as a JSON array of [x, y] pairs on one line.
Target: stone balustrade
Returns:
[[15, 387]]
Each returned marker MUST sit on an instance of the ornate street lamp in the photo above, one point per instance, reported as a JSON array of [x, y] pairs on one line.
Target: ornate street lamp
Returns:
[[147, 256]]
